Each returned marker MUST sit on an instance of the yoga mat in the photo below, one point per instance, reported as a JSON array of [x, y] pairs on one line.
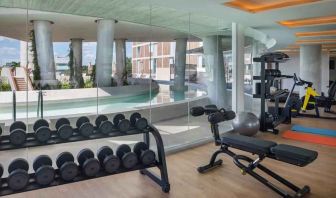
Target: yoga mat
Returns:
[[312, 138], [319, 131]]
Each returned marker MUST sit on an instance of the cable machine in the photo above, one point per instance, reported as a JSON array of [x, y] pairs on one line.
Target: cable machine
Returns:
[[274, 115]]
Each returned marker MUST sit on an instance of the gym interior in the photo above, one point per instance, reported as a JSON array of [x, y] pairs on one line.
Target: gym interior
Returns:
[[138, 98]]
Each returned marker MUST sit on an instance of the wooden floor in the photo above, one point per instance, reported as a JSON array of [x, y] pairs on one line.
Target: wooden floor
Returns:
[[225, 181]]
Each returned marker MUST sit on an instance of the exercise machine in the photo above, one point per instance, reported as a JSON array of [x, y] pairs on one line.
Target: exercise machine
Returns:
[[312, 100], [274, 115], [263, 149]]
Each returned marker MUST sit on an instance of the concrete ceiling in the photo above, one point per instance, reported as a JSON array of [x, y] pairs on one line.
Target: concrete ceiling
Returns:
[[197, 17], [264, 21], [13, 24]]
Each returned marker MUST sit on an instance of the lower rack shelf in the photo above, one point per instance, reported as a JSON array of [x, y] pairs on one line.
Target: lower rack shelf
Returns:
[[5, 190]]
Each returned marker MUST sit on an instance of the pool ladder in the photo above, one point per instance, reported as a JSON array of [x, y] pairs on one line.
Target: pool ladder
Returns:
[[39, 110]]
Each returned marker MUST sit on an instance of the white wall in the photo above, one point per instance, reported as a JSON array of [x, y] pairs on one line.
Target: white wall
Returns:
[[289, 68], [293, 66]]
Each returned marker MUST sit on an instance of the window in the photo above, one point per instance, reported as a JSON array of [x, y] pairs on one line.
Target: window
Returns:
[[138, 51]]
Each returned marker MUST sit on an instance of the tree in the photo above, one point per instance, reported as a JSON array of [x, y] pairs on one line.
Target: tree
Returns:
[[70, 63], [36, 71]]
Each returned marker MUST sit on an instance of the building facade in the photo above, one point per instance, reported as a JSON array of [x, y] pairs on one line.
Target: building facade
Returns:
[[157, 60]]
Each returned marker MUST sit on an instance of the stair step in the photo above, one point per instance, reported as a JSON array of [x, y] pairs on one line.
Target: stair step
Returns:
[[21, 84]]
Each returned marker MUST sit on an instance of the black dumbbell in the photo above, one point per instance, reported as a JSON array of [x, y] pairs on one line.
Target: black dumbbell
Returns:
[[84, 126], [145, 155], [121, 123], [128, 158], [109, 162], [68, 169], [1, 172], [103, 124], [18, 177], [44, 172], [88, 163], [17, 134], [64, 129], [42, 130], [138, 122]]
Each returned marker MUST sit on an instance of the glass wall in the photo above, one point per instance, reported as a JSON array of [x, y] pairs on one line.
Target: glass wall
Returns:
[[70, 61]]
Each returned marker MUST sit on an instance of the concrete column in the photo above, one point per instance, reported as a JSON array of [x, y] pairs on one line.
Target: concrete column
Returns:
[[213, 57], [180, 64], [257, 50], [120, 61], [325, 72], [45, 52], [256, 66], [77, 46], [105, 37], [238, 67], [26, 55], [310, 66]]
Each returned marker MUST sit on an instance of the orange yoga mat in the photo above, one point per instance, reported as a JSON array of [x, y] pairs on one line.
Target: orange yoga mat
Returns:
[[306, 137]]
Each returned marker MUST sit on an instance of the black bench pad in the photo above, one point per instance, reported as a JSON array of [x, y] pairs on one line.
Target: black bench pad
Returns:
[[248, 144], [294, 155]]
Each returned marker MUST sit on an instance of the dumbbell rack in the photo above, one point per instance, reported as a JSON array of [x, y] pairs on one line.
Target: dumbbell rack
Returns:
[[160, 163], [31, 140]]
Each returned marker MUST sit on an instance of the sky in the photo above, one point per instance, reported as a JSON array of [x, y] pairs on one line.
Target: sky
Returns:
[[10, 51]]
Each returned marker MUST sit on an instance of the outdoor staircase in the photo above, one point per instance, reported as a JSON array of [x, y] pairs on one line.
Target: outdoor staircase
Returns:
[[21, 84]]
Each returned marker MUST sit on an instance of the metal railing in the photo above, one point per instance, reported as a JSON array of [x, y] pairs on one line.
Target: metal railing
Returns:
[[40, 104]]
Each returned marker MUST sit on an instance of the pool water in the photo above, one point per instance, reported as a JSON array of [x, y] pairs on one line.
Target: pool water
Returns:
[[103, 105]]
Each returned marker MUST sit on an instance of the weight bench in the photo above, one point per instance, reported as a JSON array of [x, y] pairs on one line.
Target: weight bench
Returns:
[[262, 148]]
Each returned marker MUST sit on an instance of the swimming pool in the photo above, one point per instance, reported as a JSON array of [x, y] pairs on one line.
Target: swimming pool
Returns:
[[102, 105]]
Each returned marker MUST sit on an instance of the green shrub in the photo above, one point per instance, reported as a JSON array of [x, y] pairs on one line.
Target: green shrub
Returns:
[[88, 84], [5, 86], [64, 85]]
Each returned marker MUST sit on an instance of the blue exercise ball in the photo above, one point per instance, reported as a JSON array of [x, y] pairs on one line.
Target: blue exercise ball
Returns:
[[246, 123]]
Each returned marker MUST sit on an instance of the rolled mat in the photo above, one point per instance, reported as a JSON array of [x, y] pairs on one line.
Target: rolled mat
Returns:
[[319, 131], [312, 138]]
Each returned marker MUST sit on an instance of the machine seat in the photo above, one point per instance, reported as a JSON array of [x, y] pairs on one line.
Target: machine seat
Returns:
[[248, 144], [294, 155]]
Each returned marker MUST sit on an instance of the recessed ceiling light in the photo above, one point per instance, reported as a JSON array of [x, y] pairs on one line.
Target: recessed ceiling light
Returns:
[[255, 6], [319, 33], [317, 41], [309, 21]]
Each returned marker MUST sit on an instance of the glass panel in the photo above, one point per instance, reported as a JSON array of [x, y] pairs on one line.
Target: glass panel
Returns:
[[248, 74]]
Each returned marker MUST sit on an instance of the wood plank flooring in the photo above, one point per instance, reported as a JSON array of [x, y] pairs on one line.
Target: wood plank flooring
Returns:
[[225, 181]]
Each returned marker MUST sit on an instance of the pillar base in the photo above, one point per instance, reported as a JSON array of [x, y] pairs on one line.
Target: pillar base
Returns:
[[173, 88]]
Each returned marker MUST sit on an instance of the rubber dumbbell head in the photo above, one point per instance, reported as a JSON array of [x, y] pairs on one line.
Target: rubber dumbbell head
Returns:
[[103, 124], [18, 177], [138, 122], [1, 171], [110, 162], [64, 129], [68, 169], [42, 130], [84, 126], [145, 155], [121, 123], [128, 158], [17, 134], [88, 163], [44, 172]]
